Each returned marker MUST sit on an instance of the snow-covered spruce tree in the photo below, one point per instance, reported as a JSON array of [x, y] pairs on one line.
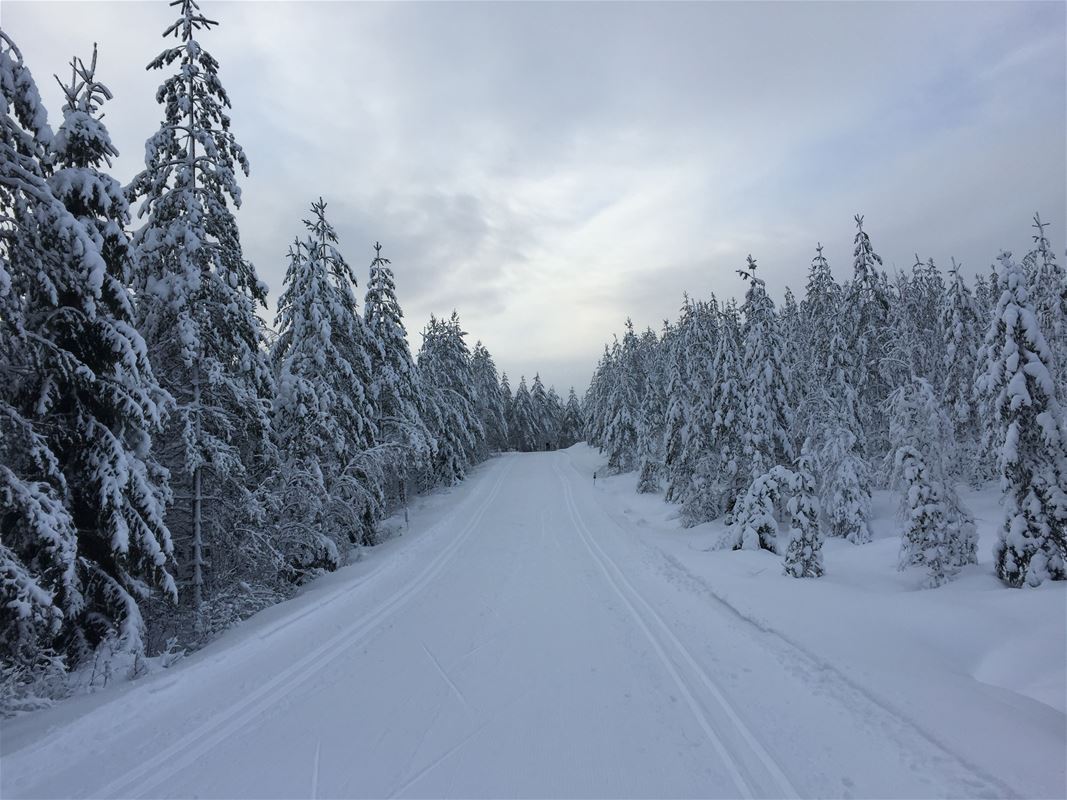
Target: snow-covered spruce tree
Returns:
[[542, 413], [1047, 285], [38, 541], [323, 420], [755, 516], [803, 554], [507, 400], [1026, 426], [623, 404], [489, 400], [596, 397], [844, 483], [768, 413], [554, 418], [720, 477], [867, 304], [939, 533], [573, 425], [959, 323], [403, 436], [196, 307], [523, 430], [445, 368], [82, 537], [817, 325], [681, 402], [651, 429]]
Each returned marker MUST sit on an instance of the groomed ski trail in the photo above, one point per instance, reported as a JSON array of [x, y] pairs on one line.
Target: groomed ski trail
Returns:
[[524, 645]]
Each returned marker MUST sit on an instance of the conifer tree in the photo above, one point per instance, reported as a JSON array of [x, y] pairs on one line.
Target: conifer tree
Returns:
[[868, 309], [768, 413], [939, 534], [402, 432], [803, 555], [489, 399], [1047, 286], [84, 541], [542, 413], [196, 306], [323, 420], [650, 435], [678, 395], [523, 431], [720, 476], [958, 362], [623, 404], [445, 367], [1026, 426], [754, 523], [573, 425]]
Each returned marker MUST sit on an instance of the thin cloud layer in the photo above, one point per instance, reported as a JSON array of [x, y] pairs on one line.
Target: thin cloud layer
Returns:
[[550, 168]]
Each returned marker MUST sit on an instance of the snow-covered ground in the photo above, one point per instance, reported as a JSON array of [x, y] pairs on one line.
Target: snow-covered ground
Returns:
[[534, 635]]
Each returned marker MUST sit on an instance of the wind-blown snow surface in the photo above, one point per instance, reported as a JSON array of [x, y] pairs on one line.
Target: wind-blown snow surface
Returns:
[[545, 637]]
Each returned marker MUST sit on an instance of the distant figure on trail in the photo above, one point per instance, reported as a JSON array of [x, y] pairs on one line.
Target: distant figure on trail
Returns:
[[594, 479]]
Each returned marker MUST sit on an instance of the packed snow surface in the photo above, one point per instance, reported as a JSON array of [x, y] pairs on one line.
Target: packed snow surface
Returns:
[[534, 635]]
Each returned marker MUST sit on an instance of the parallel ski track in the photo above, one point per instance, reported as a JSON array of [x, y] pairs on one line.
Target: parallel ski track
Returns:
[[203, 738], [753, 770]]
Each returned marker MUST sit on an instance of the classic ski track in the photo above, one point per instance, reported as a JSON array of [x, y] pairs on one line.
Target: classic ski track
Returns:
[[750, 785], [172, 760], [799, 655]]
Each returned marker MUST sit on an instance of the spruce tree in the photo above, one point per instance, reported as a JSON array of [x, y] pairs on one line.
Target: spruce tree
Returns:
[[542, 413], [402, 432], [803, 555], [573, 425], [84, 541], [196, 308], [322, 416], [939, 534], [1026, 426], [489, 399], [959, 322], [523, 430], [445, 368], [623, 404], [768, 413], [1047, 286]]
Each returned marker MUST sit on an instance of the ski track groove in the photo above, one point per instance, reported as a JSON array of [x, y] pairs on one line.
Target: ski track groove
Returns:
[[798, 655], [750, 785], [172, 760]]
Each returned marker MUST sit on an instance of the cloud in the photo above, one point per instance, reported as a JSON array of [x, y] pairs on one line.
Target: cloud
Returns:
[[548, 169]]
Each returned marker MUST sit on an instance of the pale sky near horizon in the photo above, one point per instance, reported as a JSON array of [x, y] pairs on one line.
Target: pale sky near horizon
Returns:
[[548, 169]]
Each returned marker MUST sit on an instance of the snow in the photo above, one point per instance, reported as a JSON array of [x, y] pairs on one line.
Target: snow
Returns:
[[532, 634]]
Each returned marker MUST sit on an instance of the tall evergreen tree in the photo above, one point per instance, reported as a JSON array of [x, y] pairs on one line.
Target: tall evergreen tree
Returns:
[[196, 303], [523, 427], [322, 416], [572, 428], [1026, 426], [939, 533], [768, 412], [489, 399], [402, 432], [445, 367], [959, 322], [83, 536]]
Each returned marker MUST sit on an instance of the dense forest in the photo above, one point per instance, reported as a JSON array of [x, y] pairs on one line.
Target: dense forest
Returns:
[[168, 463], [790, 416]]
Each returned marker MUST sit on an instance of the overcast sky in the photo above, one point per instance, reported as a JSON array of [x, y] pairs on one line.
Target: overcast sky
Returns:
[[549, 169]]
